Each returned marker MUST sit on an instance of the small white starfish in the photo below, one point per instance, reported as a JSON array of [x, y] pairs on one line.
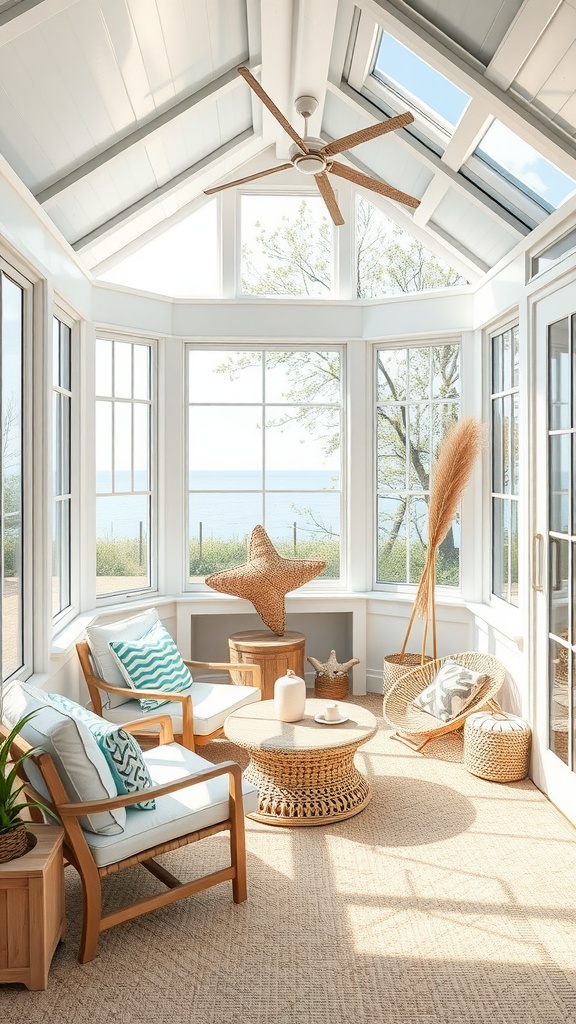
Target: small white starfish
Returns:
[[332, 666]]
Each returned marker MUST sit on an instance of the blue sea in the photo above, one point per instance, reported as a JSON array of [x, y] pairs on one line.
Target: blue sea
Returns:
[[297, 503]]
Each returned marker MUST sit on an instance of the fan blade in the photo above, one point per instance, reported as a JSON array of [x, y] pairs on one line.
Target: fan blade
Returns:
[[327, 192], [249, 177], [373, 184], [257, 88], [365, 134]]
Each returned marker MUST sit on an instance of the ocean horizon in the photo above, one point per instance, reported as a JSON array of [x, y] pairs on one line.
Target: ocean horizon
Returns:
[[228, 504]]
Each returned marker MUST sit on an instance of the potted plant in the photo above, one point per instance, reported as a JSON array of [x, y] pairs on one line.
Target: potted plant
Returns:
[[13, 835]]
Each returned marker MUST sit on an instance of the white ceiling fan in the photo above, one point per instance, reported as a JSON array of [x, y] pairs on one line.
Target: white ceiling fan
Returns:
[[313, 156]]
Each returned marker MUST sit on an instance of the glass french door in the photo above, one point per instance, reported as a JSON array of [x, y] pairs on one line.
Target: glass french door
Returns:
[[554, 549]]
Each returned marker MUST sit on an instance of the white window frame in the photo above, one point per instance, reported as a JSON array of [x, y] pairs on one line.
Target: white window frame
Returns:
[[151, 343], [497, 332], [67, 614], [428, 341], [31, 597], [298, 193], [324, 585]]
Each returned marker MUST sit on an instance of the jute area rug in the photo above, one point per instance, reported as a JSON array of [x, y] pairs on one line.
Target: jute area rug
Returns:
[[448, 899]]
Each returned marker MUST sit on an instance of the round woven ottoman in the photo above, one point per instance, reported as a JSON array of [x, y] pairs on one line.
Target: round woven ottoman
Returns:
[[497, 746]]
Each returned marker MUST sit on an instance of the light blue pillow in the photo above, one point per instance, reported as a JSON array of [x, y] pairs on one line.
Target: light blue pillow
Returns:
[[152, 663], [122, 752]]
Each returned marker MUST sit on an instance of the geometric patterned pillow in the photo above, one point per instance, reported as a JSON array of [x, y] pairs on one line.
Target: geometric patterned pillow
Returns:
[[122, 752], [152, 663], [451, 690]]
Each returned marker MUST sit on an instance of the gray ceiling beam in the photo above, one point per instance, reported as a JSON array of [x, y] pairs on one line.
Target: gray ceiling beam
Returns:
[[208, 94], [234, 148]]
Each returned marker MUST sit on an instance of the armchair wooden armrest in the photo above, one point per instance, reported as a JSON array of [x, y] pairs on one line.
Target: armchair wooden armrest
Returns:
[[254, 671], [77, 808], [164, 721]]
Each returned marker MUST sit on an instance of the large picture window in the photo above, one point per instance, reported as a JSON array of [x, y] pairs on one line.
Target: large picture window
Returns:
[[61, 464], [264, 446], [504, 401], [417, 400], [123, 465]]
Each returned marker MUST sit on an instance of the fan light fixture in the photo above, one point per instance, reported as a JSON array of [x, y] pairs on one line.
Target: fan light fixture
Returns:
[[313, 156]]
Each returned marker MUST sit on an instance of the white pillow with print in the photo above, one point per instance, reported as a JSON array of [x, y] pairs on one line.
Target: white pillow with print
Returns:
[[450, 692]]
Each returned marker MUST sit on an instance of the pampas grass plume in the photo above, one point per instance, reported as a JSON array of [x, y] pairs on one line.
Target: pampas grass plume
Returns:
[[457, 454]]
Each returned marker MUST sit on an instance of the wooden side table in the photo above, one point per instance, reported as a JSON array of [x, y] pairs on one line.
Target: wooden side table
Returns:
[[32, 918], [275, 655]]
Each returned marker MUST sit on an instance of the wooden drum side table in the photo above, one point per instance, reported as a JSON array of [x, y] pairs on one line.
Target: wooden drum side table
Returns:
[[275, 655], [304, 771], [32, 919]]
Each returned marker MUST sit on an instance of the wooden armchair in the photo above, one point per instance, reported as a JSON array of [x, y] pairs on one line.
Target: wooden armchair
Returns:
[[207, 798], [197, 714]]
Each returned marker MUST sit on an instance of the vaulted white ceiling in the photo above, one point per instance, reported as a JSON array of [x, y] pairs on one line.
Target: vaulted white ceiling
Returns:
[[117, 114]]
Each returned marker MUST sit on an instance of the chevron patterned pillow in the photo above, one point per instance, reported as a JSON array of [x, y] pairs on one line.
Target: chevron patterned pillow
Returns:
[[152, 663], [121, 750], [451, 690]]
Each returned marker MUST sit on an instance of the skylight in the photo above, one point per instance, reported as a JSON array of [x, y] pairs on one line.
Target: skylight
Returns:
[[524, 166], [183, 261], [397, 65]]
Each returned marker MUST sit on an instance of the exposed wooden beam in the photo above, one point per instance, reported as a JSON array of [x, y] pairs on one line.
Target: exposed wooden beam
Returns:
[[432, 197], [28, 14], [237, 150], [208, 94], [314, 34], [520, 40]]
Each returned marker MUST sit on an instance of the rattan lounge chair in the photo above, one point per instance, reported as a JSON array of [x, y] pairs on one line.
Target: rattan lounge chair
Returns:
[[415, 727]]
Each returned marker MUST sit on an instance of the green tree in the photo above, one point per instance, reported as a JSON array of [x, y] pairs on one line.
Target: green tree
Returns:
[[296, 258]]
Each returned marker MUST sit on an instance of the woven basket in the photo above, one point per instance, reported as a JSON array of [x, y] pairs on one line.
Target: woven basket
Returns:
[[332, 687], [497, 746], [13, 843], [397, 665]]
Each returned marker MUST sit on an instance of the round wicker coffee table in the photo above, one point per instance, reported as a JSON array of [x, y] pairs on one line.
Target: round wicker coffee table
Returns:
[[304, 771]]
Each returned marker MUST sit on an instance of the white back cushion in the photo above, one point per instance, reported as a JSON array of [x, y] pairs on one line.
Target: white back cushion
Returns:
[[99, 639], [80, 763]]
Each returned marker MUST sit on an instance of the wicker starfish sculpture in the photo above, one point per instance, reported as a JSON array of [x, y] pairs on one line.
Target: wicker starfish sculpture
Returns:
[[266, 578], [333, 667]]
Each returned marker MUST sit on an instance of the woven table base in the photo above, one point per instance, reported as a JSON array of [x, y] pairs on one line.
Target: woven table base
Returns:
[[312, 789]]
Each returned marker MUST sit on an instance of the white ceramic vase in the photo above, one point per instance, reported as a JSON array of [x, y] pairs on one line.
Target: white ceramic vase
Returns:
[[289, 697]]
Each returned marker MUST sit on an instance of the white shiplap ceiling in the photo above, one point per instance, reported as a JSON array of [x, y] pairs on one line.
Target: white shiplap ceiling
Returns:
[[117, 114]]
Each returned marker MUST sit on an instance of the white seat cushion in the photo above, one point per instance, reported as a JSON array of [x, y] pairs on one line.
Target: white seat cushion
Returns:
[[175, 815], [212, 703]]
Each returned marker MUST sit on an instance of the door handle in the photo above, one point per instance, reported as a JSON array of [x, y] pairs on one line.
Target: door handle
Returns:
[[537, 547], [556, 564]]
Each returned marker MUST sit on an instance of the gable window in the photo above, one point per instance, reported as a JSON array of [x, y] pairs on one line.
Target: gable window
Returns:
[[124, 387], [264, 446], [61, 465], [391, 261], [182, 261], [287, 246], [417, 400], [504, 401]]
